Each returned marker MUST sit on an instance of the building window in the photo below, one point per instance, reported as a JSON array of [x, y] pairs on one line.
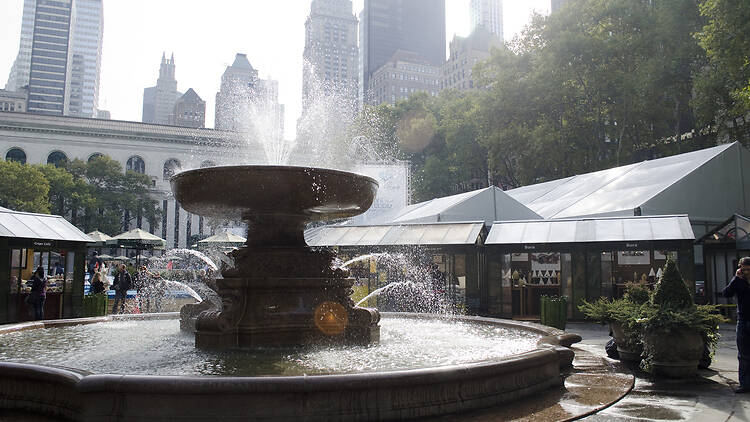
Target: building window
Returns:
[[136, 164], [16, 154], [57, 158], [94, 156], [171, 167]]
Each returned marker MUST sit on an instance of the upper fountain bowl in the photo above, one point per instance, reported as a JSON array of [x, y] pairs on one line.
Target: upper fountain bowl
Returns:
[[251, 191]]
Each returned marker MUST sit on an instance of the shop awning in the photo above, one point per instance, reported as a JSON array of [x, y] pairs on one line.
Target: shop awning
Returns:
[[394, 235], [735, 230], [28, 225], [614, 229]]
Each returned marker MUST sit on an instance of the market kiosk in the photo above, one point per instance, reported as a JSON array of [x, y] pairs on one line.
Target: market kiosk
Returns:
[[583, 258], [28, 241]]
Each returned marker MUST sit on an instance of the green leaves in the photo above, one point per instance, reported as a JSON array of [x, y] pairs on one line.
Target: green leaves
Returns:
[[23, 188]]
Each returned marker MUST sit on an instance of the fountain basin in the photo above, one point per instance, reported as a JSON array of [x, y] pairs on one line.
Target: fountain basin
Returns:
[[404, 394], [309, 193]]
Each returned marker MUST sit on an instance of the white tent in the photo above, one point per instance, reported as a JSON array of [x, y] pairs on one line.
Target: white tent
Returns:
[[488, 205], [708, 185]]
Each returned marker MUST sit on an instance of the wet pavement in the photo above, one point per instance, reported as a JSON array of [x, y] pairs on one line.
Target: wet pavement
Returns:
[[709, 396]]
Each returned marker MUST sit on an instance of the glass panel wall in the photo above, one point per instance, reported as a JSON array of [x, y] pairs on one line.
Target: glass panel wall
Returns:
[[619, 268]]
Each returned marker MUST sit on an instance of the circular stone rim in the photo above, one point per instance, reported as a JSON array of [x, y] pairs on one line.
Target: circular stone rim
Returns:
[[400, 394]]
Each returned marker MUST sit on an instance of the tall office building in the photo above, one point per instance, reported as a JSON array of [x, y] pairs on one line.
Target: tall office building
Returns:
[[246, 103], [19, 73], [331, 54], [402, 75], [159, 100], [417, 26], [189, 111], [465, 53], [81, 29], [489, 15], [49, 76], [88, 32], [238, 85]]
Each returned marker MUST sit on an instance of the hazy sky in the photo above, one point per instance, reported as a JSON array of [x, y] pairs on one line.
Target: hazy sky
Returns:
[[205, 36]]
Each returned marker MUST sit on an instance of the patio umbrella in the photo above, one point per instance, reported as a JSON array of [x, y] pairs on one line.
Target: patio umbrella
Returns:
[[100, 239], [105, 257], [139, 240], [225, 239], [120, 258]]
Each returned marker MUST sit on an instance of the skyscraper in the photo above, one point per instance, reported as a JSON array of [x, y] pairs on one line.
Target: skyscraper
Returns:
[[88, 32], [330, 55], [238, 84], [246, 103], [189, 111], [417, 26], [19, 73], [49, 75], [489, 15], [83, 37], [465, 53], [159, 100]]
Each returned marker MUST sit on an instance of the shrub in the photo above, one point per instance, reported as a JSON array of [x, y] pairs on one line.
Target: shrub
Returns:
[[671, 292]]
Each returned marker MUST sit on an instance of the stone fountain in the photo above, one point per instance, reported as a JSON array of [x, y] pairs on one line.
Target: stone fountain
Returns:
[[280, 292]]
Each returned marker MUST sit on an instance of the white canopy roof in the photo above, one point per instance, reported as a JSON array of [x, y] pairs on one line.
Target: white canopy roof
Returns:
[[488, 205], [392, 235], [612, 229], [708, 185], [38, 226]]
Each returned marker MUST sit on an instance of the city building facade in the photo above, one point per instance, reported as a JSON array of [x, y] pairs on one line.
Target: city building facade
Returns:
[[49, 76], [156, 150], [189, 111], [488, 14], [386, 26], [13, 100], [238, 85], [404, 74], [159, 100], [19, 73], [88, 35], [465, 53], [331, 52], [245, 103]]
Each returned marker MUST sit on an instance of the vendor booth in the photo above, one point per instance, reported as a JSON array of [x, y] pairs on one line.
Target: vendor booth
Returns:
[[580, 259], [450, 252], [28, 241], [722, 249]]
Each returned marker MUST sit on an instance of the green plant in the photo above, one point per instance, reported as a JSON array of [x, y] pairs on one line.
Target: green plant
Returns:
[[671, 292], [637, 293], [671, 310]]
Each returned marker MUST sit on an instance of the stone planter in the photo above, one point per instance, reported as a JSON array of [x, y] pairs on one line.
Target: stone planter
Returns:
[[628, 352], [673, 353]]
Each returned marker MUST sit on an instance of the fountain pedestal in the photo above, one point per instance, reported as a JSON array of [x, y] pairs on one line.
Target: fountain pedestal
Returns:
[[280, 292]]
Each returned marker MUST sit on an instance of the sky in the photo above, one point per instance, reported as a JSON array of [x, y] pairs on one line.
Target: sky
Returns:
[[205, 40]]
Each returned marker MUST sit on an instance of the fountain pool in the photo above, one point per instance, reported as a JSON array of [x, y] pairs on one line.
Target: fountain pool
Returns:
[[142, 367]]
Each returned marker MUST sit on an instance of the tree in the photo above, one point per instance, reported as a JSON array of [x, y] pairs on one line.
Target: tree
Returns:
[[23, 188], [723, 87]]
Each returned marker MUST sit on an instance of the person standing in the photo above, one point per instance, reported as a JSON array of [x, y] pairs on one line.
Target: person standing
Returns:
[[122, 284], [740, 287], [97, 285], [38, 293], [95, 265]]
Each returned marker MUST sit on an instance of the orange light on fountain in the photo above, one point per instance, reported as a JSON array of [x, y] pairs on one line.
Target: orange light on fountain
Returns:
[[331, 318]]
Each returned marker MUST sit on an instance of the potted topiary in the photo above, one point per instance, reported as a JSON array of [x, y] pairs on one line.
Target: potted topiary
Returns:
[[621, 315], [674, 330]]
